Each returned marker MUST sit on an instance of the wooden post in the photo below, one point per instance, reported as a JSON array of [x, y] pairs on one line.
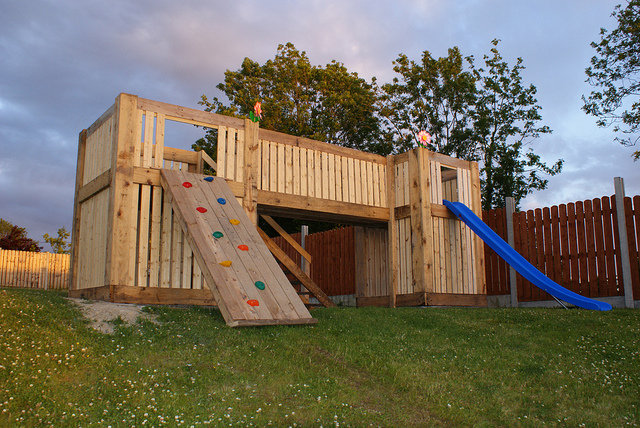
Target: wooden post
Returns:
[[250, 199], [75, 229], [510, 209], [623, 244], [392, 232], [476, 198], [421, 230], [122, 221]]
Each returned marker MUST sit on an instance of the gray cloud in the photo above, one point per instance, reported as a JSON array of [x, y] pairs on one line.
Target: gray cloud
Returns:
[[63, 62]]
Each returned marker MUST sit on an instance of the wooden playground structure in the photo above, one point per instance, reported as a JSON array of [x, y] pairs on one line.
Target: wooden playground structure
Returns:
[[135, 240]]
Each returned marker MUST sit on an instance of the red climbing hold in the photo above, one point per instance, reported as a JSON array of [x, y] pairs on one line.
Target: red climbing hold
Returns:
[[253, 302], [243, 247], [201, 210], [187, 184]]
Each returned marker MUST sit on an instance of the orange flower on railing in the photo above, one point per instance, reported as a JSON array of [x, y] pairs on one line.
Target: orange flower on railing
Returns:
[[256, 114], [424, 138]]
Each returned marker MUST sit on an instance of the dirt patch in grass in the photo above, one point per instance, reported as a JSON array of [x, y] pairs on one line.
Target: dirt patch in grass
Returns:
[[103, 314]]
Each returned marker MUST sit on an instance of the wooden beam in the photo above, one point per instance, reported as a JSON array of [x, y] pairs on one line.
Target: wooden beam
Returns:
[[392, 230], [287, 237], [150, 176], [476, 198], [162, 296], [188, 115], [95, 186], [295, 270], [320, 209], [77, 210], [121, 236], [421, 229], [250, 171], [452, 299]]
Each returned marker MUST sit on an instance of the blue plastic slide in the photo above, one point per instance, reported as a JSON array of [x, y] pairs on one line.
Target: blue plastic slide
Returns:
[[519, 263]]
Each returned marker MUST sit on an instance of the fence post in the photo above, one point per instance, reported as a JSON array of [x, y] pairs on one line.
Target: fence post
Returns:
[[510, 209], [623, 243]]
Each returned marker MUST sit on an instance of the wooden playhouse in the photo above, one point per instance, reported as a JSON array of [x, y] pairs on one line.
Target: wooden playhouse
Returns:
[[138, 238]]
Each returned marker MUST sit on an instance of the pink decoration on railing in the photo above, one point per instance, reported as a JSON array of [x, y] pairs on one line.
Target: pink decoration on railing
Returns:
[[424, 138]]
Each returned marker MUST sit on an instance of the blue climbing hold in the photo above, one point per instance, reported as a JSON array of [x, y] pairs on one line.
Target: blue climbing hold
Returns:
[[222, 201], [209, 179]]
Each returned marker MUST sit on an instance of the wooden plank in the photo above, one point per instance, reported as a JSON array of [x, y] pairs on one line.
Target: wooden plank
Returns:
[[266, 166], [165, 243], [592, 290], [77, 212], [120, 268], [282, 179], [392, 237], [274, 203], [610, 257], [582, 248], [189, 115], [288, 169], [304, 176], [250, 172], [273, 167], [574, 281], [155, 233], [453, 299], [299, 273], [94, 187], [287, 238], [222, 152], [600, 250], [143, 237]]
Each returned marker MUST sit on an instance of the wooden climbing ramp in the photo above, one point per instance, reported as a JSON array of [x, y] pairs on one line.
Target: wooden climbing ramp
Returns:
[[245, 279]]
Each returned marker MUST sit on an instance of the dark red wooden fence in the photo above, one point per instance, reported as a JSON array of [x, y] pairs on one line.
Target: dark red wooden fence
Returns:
[[574, 244], [333, 259]]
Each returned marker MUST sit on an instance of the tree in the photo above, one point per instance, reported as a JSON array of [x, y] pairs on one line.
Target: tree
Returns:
[[59, 244], [615, 71], [327, 104], [483, 114], [15, 238], [505, 122], [436, 95]]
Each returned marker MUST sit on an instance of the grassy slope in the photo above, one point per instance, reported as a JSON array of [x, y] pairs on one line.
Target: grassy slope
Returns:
[[406, 367]]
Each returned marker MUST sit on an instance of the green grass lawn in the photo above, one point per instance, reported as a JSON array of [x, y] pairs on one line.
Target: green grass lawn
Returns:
[[408, 367]]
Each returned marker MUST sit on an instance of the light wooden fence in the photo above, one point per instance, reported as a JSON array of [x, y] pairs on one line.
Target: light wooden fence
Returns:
[[26, 269]]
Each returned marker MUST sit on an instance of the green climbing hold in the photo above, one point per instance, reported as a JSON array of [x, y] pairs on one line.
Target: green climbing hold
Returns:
[[260, 285], [217, 234]]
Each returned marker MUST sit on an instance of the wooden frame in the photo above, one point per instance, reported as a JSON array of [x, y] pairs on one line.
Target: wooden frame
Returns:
[[128, 245]]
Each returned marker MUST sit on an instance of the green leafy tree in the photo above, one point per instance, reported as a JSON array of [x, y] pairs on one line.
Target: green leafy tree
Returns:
[[615, 71], [506, 116], [436, 95], [60, 245], [327, 104], [484, 114], [15, 238]]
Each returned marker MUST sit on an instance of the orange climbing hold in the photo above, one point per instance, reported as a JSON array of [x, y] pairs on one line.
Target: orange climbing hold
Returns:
[[243, 247], [253, 302], [234, 221], [226, 263], [201, 210]]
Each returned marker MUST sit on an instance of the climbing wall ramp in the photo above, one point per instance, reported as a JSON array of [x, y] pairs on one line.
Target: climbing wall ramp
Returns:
[[245, 279]]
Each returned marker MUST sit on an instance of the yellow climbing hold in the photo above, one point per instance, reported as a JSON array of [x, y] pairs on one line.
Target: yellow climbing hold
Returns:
[[226, 263], [234, 222]]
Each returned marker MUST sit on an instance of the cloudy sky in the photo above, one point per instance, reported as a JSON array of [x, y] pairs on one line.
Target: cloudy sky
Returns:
[[63, 62]]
